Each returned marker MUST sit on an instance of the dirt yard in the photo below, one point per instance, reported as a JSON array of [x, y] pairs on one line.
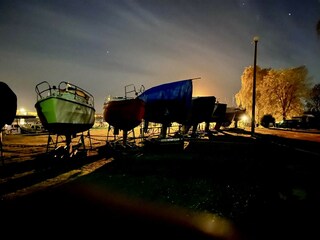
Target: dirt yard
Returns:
[[27, 165]]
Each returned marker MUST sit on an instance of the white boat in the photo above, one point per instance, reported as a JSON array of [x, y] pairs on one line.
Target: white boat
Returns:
[[32, 128]]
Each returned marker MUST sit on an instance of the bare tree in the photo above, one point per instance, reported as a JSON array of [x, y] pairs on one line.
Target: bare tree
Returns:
[[313, 103]]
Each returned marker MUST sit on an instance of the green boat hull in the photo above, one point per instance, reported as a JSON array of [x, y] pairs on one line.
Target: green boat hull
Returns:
[[65, 116]]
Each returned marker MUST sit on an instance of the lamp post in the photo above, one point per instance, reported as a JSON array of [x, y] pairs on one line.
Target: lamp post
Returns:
[[255, 39]]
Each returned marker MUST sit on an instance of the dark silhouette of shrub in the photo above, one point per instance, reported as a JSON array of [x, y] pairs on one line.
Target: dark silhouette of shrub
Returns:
[[267, 120]]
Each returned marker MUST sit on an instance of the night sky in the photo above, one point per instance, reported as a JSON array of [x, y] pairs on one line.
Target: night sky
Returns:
[[104, 45]]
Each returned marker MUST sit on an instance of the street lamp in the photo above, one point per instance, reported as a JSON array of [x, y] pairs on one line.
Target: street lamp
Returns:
[[255, 39]]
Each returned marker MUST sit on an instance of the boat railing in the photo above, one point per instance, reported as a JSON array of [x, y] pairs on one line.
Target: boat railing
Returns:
[[44, 90], [77, 91], [133, 90], [127, 90]]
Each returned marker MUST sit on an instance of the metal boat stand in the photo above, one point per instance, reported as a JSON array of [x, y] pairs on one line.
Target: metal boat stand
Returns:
[[116, 138], [125, 144], [70, 149]]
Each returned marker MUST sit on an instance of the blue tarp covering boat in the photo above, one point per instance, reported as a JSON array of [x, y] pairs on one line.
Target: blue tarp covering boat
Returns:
[[169, 102]]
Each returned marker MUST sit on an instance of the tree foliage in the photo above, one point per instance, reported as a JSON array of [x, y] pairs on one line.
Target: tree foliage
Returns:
[[278, 92], [244, 96]]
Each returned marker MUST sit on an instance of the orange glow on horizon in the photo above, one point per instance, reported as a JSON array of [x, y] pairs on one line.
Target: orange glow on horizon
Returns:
[[200, 91]]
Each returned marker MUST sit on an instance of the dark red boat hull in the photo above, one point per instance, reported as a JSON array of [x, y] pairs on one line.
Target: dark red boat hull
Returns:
[[124, 114]]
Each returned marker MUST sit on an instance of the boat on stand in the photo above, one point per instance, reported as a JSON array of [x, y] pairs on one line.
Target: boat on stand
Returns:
[[202, 109], [124, 113], [167, 103], [66, 110], [8, 108]]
